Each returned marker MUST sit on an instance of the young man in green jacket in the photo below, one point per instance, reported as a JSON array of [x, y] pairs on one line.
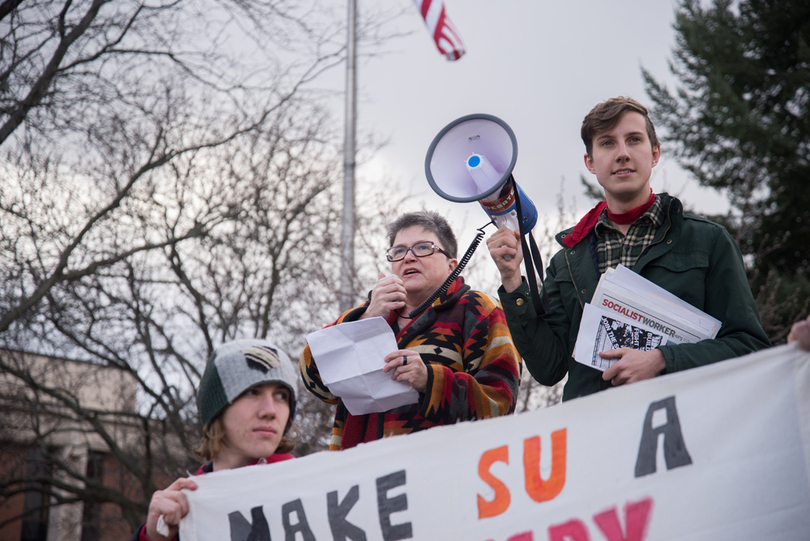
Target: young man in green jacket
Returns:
[[689, 256]]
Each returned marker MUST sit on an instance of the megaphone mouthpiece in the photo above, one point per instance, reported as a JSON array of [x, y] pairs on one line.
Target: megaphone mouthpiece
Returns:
[[483, 174]]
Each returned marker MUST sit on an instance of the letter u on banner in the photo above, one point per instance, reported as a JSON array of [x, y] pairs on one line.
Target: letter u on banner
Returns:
[[536, 488]]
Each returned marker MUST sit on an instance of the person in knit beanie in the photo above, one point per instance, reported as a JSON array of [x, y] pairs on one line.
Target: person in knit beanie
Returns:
[[246, 401]]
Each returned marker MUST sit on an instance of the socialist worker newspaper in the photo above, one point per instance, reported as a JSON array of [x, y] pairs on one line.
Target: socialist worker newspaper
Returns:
[[627, 310]]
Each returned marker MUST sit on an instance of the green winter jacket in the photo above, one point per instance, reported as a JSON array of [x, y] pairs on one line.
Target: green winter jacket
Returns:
[[692, 257]]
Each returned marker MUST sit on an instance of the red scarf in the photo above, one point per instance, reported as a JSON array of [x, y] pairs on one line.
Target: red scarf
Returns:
[[587, 223]]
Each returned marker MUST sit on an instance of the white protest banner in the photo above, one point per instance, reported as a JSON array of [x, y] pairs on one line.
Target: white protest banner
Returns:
[[720, 452]]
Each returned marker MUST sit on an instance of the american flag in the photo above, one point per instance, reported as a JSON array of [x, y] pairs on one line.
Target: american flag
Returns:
[[444, 32]]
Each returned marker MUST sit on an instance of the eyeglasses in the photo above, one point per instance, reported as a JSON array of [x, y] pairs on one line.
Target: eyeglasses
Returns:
[[420, 249]]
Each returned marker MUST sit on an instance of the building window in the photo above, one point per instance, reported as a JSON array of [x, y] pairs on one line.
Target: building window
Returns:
[[91, 516], [35, 505]]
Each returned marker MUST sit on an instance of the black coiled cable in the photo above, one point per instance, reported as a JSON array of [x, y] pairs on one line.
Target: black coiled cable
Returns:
[[453, 275]]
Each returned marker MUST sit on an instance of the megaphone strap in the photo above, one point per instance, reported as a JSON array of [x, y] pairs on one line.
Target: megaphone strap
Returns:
[[530, 258]]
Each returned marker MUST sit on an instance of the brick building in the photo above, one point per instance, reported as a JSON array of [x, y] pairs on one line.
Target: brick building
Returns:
[[48, 406]]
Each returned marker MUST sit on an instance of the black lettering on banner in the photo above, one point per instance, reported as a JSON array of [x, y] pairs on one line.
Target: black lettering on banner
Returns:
[[342, 529], [301, 527], [675, 453], [241, 530], [386, 506]]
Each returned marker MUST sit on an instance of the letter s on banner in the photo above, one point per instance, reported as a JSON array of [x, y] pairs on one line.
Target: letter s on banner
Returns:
[[502, 499]]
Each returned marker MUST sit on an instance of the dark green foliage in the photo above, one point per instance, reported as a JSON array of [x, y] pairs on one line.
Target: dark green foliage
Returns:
[[593, 190], [739, 121]]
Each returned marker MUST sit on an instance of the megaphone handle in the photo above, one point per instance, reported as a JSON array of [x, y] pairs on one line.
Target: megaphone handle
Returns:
[[508, 220]]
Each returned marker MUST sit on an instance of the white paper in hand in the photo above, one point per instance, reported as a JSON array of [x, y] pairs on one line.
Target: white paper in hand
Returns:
[[350, 360]]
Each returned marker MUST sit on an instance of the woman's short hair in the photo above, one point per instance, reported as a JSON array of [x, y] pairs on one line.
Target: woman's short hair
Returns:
[[431, 221]]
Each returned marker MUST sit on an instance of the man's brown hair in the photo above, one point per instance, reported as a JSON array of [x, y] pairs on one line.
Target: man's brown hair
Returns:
[[606, 115]]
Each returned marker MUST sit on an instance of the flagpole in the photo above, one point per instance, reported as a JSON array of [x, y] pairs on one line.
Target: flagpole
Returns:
[[347, 237]]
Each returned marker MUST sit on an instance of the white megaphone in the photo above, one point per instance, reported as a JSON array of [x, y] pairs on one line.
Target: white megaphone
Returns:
[[472, 159]]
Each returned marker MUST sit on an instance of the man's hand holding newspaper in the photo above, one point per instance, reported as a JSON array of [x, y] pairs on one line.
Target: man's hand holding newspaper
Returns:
[[627, 319], [631, 365]]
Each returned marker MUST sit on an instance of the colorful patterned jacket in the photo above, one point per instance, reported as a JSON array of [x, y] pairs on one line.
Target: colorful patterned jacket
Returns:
[[473, 369]]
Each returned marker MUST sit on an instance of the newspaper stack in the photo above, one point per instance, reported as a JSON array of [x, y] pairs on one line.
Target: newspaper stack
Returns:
[[627, 310]]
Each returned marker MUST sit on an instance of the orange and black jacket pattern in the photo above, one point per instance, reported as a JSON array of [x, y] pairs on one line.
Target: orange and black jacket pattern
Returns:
[[473, 369]]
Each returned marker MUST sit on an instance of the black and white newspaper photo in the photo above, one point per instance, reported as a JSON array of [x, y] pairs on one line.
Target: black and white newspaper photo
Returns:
[[608, 333], [627, 310]]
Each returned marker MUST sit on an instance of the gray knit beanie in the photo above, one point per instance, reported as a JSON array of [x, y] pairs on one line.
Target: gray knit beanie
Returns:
[[236, 367]]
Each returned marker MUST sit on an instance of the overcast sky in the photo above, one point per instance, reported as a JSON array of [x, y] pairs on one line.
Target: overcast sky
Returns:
[[539, 66]]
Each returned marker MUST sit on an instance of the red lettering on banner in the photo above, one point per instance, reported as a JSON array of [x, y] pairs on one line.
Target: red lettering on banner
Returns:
[[573, 530], [501, 501], [536, 488], [636, 518], [525, 536]]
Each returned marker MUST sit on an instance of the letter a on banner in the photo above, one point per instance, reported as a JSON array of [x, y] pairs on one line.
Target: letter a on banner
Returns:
[[302, 526], [341, 528], [675, 453]]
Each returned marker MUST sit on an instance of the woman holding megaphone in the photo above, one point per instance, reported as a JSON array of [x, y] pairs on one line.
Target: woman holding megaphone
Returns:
[[457, 353]]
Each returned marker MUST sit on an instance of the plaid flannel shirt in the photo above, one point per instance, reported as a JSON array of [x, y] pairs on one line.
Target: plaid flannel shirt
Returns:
[[613, 248]]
